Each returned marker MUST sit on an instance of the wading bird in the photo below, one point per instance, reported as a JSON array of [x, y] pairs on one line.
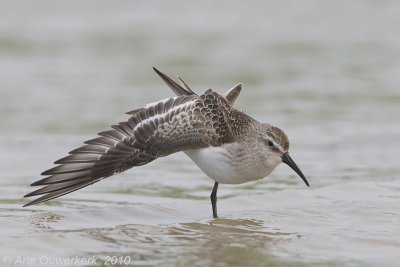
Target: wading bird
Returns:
[[227, 145]]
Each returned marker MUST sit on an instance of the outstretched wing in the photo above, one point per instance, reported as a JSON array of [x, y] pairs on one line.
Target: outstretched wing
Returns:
[[175, 124]]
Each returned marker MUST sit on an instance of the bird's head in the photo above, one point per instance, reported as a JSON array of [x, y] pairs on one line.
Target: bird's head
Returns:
[[275, 145]]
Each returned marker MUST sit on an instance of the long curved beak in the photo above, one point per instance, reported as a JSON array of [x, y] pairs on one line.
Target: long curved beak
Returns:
[[289, 161]]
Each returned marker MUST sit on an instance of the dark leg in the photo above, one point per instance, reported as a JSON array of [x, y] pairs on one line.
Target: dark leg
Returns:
[[214, 200]]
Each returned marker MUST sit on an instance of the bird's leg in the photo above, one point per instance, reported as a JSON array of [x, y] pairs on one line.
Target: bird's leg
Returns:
[[214, 200]]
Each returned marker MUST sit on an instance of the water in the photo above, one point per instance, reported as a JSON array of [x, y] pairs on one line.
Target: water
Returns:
[[326, 72]]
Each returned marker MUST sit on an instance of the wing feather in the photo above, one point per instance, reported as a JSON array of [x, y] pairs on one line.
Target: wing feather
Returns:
[[61, 192], [160, 129]]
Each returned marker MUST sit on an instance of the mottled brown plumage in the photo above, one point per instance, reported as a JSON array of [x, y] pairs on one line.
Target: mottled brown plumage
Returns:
[[204, 127], [177, 124]]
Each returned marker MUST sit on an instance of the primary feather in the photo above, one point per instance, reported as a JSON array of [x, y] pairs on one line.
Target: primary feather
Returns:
[[175, 124]]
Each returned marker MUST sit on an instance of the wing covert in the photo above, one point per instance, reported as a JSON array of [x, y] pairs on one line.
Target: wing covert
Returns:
[[165, 127]]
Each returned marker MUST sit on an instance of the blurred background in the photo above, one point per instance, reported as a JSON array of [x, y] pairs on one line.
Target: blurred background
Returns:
[[327, 72]]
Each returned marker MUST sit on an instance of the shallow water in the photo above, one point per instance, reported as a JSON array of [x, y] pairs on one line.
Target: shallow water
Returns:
[[326, 72]]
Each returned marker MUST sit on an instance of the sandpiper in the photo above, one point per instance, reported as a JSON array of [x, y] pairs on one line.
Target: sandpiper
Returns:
[[227, 145]]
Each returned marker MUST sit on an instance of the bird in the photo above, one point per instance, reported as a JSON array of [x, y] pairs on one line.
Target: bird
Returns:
[[229, 146]]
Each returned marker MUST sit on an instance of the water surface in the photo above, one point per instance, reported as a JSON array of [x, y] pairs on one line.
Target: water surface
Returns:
[[326, 72]]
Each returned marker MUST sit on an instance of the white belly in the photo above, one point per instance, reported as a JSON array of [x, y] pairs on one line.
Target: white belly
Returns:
[[225, 167]]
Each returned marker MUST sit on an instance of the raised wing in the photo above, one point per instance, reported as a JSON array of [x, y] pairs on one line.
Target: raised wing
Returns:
[[175, 124], [178, 90], [231, 95]]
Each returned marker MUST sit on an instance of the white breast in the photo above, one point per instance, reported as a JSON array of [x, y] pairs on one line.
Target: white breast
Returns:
[[225, 166]]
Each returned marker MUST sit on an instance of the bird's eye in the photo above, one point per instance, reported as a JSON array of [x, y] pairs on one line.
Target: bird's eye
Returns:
[[270, 143]]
